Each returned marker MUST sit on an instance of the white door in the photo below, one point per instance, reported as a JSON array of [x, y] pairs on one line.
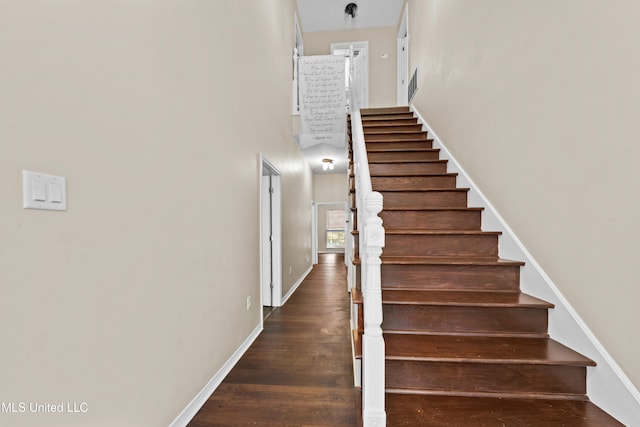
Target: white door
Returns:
[[403, 72], [267, 240], [270, 236], [403, 60]]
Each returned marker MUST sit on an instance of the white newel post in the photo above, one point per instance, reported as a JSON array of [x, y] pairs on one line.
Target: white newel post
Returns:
[[373, 351]]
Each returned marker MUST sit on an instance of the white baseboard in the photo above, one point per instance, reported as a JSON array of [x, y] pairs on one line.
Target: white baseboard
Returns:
[[607, 385], [201, 398], [296, 285]]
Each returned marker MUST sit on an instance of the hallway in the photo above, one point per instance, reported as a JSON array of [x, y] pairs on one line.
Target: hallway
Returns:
[[299, 370]]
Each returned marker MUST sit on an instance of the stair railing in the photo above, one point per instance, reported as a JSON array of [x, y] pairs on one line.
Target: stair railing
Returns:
[[371, 241]]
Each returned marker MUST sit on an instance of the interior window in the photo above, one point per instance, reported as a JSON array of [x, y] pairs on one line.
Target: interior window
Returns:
[[335, 229]]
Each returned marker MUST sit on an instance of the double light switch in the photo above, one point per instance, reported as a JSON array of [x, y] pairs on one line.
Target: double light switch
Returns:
[[42, 191]]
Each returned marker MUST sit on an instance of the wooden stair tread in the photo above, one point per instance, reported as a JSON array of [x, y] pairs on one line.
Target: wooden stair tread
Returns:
[[385, 135], [420, 209], [488, 394], [424, 190], [392, 140], [416, 175], [384, 110], [368, 131], [481, 349], [409, 122], [427, 260], [462, 298], [407, 169], [510, 411], [398, 119], [504, 334], [411, 162], [441, 232], [429, 217], [456, 298], [375, 118], [396, 161], [397, 150], [372, 117], [373, 137]]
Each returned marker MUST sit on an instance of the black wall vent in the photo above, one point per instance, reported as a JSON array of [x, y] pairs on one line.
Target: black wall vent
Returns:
[[413, 85]]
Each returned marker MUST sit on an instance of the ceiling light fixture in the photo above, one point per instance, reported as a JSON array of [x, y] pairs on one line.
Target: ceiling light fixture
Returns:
[[350, 11], [327, 164]]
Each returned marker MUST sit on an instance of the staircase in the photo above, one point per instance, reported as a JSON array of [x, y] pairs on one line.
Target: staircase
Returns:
[[464, 347]]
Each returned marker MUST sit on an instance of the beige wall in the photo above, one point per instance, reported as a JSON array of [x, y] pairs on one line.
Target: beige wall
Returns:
[[539, 102], [329, 188], [135, 297], [297, 196], [382, 72]]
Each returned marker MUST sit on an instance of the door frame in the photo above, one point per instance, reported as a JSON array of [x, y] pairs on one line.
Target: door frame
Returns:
[[275, 299], [314, 233], [298, 51], [403, 59]]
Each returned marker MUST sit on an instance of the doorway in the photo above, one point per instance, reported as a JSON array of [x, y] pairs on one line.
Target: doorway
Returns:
[[329, 228], [270, 237]]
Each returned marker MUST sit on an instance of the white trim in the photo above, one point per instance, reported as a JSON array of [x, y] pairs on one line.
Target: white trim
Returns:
[[297, 34], [296, 285], [401, 89], [314, 233], [298, 51], [277, 232], [201, 398], [607, 385]]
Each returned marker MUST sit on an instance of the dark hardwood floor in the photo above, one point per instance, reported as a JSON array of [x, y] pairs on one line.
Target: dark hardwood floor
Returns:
[[299, 370]]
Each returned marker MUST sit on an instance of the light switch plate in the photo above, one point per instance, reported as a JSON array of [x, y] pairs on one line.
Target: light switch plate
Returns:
[[42, 191]]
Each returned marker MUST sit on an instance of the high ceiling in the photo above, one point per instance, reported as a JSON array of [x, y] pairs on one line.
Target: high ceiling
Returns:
[[328, 15]]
